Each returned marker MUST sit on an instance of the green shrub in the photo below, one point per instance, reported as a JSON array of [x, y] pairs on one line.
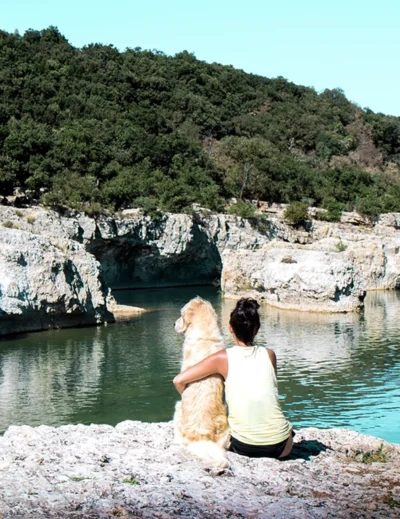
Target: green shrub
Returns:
[[340, 246], [368, 457], [93, 209], [149, 206], [261, 223], [8, 224], [296, 214], [131, 480], [243, 209], [334, 211], [369, 206]]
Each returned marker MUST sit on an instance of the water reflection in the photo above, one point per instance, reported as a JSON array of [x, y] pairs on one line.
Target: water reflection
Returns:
[[334, 370], [41, 381], [305, 338]]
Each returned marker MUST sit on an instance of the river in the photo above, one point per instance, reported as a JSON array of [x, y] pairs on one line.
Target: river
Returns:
[[333, 370]]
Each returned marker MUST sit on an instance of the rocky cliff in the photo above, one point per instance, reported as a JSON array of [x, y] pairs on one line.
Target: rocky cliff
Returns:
[[47, 282], [135, 471], [56, 269], [328, 268]]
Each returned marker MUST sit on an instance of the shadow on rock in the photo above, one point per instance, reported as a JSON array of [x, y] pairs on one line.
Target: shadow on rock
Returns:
[[307, 448]]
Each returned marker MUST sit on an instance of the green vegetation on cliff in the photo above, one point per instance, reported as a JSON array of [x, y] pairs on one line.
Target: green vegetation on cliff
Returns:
[[95, 127]]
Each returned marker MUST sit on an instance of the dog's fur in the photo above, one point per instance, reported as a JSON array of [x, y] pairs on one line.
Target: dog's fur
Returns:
[[200, 419]]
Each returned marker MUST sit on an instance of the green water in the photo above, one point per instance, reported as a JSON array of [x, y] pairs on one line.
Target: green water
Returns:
[[333, 370]]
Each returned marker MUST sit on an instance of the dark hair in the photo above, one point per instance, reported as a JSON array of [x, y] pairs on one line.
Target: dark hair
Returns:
[[245, 321]]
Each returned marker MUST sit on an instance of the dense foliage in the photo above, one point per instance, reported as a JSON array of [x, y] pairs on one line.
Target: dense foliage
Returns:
[[296, 214], [94, 128]]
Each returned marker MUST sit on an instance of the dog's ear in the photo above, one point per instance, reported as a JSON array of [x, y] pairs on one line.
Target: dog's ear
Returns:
[[205, 311], [187, 314]]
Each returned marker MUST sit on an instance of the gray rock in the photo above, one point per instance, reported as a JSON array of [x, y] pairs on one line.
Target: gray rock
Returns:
[[294, 277], [389, 220], [47, 283], [134, 470], [329, 268]]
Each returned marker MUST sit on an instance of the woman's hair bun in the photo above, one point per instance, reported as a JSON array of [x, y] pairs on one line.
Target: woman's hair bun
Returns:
[[247, 303], [245, 321]]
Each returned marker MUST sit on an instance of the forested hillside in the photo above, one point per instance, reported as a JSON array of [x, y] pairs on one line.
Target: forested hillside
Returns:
[[97, 128]]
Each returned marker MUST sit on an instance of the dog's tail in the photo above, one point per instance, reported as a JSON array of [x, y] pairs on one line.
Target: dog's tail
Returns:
[[210, 452]]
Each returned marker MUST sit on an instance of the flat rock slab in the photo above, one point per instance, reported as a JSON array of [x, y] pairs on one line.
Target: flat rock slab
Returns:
[[134, 470], [125, 312]]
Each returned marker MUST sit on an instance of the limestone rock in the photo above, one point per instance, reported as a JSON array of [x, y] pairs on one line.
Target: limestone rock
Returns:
[[124, 312], [134, 470], [389, 220], [353, 218], [47, 283], [178, 249], [294, 277]]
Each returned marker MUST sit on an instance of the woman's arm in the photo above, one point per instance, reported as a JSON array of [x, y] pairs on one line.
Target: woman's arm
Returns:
[[272, 358], [217, 363]]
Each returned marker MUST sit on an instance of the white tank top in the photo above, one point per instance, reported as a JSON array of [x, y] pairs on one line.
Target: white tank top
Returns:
[[251, 391]]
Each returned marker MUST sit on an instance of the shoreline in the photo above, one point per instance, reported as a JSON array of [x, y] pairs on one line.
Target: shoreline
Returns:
[[134, 470]]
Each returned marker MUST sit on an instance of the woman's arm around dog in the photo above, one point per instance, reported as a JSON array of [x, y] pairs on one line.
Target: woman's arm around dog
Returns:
[[215, 364]]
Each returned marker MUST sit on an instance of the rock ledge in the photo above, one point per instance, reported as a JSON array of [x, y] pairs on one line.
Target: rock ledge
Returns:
[[134, 470]]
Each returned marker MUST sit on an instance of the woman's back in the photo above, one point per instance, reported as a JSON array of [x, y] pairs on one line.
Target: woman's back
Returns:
[[254, 413]]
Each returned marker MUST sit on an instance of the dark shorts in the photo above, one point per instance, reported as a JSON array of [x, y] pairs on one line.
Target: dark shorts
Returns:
[[258, 451]]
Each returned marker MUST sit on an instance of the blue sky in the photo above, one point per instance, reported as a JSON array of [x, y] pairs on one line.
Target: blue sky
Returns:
[[350, 44]]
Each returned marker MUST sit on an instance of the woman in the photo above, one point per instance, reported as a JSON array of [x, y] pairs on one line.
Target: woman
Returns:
[[258, 426]]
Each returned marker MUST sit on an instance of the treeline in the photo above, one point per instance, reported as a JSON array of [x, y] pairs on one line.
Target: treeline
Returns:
[[96, 128]]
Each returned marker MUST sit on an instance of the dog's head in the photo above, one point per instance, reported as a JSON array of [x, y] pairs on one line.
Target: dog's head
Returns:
[[197, 314]]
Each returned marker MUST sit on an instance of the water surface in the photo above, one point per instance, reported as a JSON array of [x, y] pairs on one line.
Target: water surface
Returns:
[[333, 370]]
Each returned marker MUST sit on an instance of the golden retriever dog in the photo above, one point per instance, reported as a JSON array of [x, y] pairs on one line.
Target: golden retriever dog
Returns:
[[200, 419]]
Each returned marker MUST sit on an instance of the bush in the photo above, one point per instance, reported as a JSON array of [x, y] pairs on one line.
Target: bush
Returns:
[[243, 209], [296, 214], [93, 209], [260, 223], [340, 246], [370, 207], [334, 211], [8, 224], [149, 206]]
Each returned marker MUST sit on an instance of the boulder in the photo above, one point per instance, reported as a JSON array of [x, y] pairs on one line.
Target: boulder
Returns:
[[389, 220], [353, 218]]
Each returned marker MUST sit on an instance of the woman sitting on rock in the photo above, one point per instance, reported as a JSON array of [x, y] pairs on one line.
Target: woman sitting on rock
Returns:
[[258, 426]]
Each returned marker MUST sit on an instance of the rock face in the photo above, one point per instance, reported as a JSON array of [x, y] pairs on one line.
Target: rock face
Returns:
[[50, 276], [294, 278], [174, 250], [327, 269], [136, 251], [47, 283], [134, 470]]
